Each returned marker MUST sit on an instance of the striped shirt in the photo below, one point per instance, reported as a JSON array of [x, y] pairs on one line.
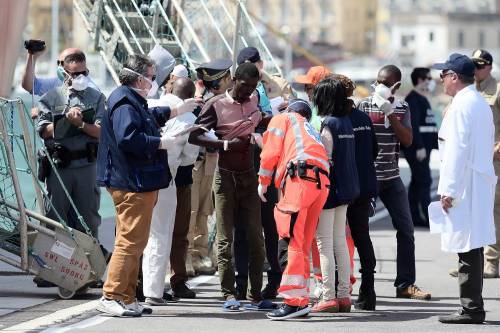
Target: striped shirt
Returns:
[[386, 163]]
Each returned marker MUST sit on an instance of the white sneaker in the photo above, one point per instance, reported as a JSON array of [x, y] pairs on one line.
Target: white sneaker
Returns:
[[135, 306], [116, 308]]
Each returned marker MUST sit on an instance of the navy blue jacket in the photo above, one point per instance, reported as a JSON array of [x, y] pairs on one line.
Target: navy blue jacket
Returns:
[[128, 158], [366, 152], [423, 123], [344, 181]]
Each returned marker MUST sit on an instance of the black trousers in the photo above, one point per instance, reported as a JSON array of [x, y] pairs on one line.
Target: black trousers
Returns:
[[470, 280], [271, 243], [357, 218], [419, 191]]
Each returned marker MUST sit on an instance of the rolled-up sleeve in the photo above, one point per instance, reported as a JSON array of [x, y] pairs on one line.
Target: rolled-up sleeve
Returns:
[[128, 134]]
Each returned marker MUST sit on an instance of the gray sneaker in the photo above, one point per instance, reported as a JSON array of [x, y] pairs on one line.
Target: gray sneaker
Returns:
[[116, 308], [153, 301], [135, 306]]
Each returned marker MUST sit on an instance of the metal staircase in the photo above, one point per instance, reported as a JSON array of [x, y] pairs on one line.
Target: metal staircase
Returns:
[[193, 31]]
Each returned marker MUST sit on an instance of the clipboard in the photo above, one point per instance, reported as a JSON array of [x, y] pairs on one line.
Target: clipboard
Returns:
[[64, 129]]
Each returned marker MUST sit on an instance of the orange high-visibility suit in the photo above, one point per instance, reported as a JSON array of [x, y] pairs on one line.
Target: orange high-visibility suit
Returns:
[[290, 138]]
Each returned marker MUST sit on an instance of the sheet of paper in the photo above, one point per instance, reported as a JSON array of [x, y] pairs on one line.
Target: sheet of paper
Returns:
[[62, 249], [443, 222], [189, 129], [275, 103], [211, 135]]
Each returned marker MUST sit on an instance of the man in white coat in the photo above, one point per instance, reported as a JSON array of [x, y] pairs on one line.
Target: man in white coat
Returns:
[[466, 184], [156, 255]]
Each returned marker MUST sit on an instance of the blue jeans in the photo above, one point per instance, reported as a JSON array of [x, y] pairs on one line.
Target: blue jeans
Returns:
[[393, 194]]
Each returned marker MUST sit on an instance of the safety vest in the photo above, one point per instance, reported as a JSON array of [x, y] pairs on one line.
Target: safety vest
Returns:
[[289, 137]]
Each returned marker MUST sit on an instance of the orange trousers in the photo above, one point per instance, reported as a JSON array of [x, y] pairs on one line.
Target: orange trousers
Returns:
[[297, 215]]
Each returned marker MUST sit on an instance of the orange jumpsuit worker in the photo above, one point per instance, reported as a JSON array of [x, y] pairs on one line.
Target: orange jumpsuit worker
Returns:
[[293, 150]]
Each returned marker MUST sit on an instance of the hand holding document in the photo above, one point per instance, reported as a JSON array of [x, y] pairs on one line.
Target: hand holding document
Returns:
[[445, 222]]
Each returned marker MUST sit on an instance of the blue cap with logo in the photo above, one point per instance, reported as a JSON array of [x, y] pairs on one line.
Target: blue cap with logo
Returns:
[[248, 54], [459, 63]]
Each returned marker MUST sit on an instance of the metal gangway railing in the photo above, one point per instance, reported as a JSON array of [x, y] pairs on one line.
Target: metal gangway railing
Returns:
[[193, 31], [49, 249]]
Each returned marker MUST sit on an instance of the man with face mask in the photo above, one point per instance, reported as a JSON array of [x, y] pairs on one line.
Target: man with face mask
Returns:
[[392, 123], [69, 123], [39, 86], [424, 140]]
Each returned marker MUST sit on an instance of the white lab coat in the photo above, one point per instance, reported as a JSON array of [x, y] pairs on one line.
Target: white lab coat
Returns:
[[156, 257], [467, 175]]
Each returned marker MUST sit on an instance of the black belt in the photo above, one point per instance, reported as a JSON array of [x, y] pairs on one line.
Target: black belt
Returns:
[[299, 169], [78, 154]]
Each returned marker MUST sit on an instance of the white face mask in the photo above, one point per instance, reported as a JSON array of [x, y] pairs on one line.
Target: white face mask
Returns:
[[80, 83], [151, 92], [383, 90], [154, 90], [431, 85]]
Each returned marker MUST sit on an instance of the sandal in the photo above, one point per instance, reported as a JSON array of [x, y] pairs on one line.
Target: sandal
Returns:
[[231, 305]]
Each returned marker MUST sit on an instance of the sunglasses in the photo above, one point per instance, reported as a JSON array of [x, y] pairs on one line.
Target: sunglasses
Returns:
[[445, 74], [60, 62]]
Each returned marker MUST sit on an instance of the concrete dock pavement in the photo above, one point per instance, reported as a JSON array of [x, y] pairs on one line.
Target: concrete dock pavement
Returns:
[[25, 308], [204, 313]]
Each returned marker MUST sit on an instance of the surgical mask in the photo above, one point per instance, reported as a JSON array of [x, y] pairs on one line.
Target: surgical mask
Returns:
[[149, 92], [154, 90], [60, 73], [80, 83], [431, 86], [383, 90]]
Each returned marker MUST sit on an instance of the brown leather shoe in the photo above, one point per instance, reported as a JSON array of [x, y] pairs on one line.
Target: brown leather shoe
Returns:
[[413, 292], [491, 269]]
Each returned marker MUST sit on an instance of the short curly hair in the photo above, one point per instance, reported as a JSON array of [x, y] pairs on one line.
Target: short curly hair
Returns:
[[348, 84]]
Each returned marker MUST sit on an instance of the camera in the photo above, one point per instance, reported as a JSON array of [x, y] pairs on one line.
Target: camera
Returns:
[[34, 45]]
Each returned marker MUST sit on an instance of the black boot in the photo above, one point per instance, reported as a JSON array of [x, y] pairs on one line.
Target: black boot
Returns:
[[463, 317], [366, 301]]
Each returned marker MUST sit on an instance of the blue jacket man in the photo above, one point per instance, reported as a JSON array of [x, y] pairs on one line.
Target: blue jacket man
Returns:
[[129, 158], [133, 166]]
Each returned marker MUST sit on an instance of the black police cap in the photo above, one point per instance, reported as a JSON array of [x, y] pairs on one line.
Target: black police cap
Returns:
[[214, 70], [482, 57]]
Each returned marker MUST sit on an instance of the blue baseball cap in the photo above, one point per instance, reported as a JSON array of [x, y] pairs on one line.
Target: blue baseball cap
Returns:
[[248, 54], [459, 63], [301, 107]]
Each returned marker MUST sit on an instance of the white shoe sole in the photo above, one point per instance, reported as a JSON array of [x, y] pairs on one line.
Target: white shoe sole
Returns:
[[104, 310], [301, 313]]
